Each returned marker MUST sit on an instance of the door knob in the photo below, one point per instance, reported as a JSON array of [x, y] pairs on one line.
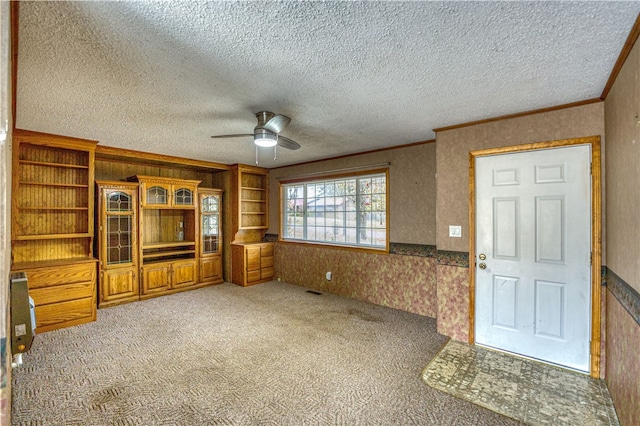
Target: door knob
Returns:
[[482, 256], [483, 265]]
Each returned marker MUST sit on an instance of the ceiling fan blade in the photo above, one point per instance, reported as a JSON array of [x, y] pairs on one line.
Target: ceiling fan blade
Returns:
[[287, 143], [232, 136], [277, 123]]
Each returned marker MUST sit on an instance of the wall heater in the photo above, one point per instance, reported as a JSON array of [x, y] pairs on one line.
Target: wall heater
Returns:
[[23, 318]]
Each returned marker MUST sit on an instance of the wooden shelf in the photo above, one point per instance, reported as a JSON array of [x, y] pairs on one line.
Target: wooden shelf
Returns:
[[167, 244], [47, 164], [253, 213], [51, 236], [252, 188], [246, 200], [52, 263], [158, 254], [55, 208], [62, 185]]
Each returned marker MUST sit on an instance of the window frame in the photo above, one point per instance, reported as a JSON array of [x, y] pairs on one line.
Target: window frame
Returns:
[[328, 177]]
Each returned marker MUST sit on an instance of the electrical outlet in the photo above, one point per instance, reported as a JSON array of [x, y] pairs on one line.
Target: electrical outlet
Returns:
[[455, 231]]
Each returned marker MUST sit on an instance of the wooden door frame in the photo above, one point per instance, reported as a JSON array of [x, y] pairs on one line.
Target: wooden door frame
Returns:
[[596, 232]]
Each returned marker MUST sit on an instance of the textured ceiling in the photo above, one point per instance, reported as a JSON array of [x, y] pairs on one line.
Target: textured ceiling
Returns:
[[354, 76]]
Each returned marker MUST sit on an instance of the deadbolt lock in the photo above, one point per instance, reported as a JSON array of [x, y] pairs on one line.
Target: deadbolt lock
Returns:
[[482, 256]]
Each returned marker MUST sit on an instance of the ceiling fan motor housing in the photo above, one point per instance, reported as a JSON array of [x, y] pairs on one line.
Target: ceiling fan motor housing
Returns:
[[265, 138]]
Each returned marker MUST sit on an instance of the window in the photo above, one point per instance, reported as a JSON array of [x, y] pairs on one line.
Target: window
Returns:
[[349, 211]]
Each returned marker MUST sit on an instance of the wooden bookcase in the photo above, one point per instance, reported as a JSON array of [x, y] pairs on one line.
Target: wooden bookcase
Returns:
[[251, 257], [52, 226], [250, 195], [117, 238]]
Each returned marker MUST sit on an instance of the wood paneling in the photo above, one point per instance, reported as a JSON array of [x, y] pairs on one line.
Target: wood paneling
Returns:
[[119, 169]]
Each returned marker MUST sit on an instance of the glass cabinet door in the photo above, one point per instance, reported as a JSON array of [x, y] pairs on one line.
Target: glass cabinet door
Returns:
[[119, 228], [157, 195], [183, 197], [210, 213]]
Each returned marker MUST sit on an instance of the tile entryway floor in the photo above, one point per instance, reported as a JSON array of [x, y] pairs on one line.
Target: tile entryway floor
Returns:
[[526, 390]]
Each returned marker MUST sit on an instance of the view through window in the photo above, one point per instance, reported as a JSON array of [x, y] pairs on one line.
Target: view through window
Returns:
[[349, 210]]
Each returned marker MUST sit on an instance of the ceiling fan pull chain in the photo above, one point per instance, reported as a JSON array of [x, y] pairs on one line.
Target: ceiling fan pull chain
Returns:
[[275, 149], [256, 155]]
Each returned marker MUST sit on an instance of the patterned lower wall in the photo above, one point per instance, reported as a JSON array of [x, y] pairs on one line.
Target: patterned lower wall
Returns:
[[405, 279], [453, 294], [623, 344]]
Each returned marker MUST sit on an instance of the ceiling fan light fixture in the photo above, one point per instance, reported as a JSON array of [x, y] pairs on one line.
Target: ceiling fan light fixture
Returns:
[[265, 140]]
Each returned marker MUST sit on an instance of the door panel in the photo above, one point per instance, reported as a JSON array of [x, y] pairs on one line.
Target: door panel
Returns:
[[533, 225]]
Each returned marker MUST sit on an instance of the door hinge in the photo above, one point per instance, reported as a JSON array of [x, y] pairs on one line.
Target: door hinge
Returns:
[[591, 258]]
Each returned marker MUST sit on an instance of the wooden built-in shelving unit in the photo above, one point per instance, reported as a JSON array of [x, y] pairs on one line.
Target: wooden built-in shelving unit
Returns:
[[52, 226], [250, 222]]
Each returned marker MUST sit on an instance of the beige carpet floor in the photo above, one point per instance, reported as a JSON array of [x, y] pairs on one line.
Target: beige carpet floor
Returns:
[[531, 391], [271, 354]]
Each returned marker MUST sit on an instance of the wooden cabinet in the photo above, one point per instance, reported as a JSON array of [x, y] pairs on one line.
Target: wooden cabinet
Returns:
[[169, 236], [252, 263], [157, 236], [117, 242], [166, 192], [168, 276], [63, 292], [251, 259], [210, 209], [52, 225]]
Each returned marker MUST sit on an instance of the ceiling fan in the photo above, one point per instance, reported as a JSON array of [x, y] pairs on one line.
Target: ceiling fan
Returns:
[[267, 132]]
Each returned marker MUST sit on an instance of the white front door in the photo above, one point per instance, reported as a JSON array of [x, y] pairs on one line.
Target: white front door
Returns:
[[533, 254]]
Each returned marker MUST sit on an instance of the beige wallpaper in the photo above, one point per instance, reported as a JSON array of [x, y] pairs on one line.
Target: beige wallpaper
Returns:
[[622, 107], [452, 157], [412, 188]]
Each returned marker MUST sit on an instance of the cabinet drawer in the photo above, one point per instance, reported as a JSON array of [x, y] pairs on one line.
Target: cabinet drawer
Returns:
[[253, 258], [266, 273], [266, 262], [266, 250], [56, 313], [253, 276], [63, 274], [61, 293]]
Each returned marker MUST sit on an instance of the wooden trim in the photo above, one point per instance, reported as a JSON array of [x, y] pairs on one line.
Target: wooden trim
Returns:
[[624, 53], [108, 152], [14, 34], [316, 244], [58, 141], [596, 256], [251, 169], [408, 145], [596, 233], [472, 248], [519, 114], [165, 180], [354, 173]]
